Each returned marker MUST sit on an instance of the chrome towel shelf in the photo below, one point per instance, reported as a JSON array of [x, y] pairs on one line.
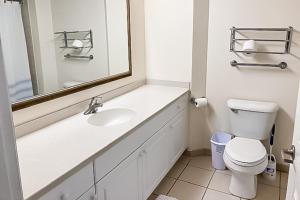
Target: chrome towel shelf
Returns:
[[287, 41], [282, 65], [88, 36]]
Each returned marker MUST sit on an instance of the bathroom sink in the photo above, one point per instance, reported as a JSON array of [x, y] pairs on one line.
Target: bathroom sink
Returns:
[[111, 117]]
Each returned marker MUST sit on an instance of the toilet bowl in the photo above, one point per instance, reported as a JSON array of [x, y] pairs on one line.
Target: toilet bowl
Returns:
[[246, 158]]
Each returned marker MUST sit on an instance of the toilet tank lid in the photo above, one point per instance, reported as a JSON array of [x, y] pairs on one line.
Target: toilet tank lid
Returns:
[[253, 106]]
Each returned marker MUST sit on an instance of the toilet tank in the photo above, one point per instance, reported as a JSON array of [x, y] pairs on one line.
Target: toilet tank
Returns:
[[251, 119]]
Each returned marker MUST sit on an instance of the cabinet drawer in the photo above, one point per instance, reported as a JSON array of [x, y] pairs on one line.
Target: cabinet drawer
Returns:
[[122, 149], [73, 187]]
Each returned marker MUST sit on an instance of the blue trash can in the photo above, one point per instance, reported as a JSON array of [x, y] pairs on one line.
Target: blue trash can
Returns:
[[218, 143]]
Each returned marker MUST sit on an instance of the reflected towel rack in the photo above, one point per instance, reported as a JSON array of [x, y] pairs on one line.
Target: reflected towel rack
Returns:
[[282, 65], [20, 1], [287, 40], [90, 57], [87, 37]]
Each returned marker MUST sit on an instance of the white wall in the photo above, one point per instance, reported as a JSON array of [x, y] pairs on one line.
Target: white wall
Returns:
[[138, 67], [176, 50], [169, 39], [224, 82]]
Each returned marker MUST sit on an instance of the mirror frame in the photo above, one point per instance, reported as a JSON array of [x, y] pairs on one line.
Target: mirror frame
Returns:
[[84, 86]]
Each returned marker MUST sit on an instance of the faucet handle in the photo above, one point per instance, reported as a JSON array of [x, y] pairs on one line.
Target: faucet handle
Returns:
[[96, 99]]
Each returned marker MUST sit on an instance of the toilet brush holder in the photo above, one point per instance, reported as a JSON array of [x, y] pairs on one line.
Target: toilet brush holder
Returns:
[[270, 171]]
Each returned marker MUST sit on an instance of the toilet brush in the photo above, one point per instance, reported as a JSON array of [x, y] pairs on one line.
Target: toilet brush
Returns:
[[270, 171]]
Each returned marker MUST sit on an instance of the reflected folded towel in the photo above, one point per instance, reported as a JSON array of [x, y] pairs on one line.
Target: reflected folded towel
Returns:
[[163, 197]]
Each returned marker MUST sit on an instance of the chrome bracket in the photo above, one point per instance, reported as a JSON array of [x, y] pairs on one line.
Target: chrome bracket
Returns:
[[234, 110]]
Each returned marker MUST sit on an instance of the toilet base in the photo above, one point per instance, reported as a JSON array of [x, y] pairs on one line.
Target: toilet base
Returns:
[[243, 185]]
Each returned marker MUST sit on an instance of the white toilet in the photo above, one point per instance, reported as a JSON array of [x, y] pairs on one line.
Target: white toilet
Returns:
[[245, 155]]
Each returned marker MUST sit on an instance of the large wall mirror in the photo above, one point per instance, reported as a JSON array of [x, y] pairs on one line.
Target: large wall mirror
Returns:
[[52, 48]]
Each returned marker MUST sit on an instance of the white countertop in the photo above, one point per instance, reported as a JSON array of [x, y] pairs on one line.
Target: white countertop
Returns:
[[49, 153]]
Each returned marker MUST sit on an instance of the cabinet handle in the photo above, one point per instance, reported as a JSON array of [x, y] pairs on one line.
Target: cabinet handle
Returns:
[[64, 197]]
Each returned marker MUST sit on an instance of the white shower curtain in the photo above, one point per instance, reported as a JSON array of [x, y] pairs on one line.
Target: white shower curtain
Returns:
[[14, 51]]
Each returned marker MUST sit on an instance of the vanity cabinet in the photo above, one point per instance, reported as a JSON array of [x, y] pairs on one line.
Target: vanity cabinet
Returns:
[[136, 177], [132, 167]]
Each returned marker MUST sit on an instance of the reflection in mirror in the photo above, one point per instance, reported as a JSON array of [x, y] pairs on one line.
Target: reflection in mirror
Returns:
[[51, 45]]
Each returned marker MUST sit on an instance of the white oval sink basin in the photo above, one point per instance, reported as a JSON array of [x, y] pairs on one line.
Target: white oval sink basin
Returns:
[[111, 117]]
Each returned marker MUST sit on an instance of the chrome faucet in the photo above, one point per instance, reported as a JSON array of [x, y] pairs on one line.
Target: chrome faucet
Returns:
[[94, 104]]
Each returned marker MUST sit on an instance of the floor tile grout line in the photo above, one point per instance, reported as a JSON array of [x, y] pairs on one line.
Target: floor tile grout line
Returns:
[[211, 178], [204, 194], [171, 187], [222, 192], [201, 168], [177, 178], [280, 180], [184, 169], [192, 183]]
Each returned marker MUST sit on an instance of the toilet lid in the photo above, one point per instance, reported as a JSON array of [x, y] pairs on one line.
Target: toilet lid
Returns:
[[246, 152]]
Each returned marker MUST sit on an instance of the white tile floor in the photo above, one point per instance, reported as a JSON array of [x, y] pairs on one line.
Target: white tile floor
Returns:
[[194, 178]]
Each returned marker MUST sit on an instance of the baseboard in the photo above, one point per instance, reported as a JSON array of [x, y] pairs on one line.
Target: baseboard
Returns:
[[207, 152], [282, 167], [199, 152]]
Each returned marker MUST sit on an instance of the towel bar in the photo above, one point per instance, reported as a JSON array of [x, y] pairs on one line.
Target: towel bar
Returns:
[[282, 65], [90, 57]]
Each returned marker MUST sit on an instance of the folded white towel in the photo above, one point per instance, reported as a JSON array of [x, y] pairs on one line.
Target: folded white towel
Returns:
[[163, 197]]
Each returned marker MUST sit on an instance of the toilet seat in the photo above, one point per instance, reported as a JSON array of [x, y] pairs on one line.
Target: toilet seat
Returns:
[[246, 152]]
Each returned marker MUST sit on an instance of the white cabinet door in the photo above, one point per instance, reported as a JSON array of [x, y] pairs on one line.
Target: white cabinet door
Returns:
[[124, 182], [156, 159], [178, 135]]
